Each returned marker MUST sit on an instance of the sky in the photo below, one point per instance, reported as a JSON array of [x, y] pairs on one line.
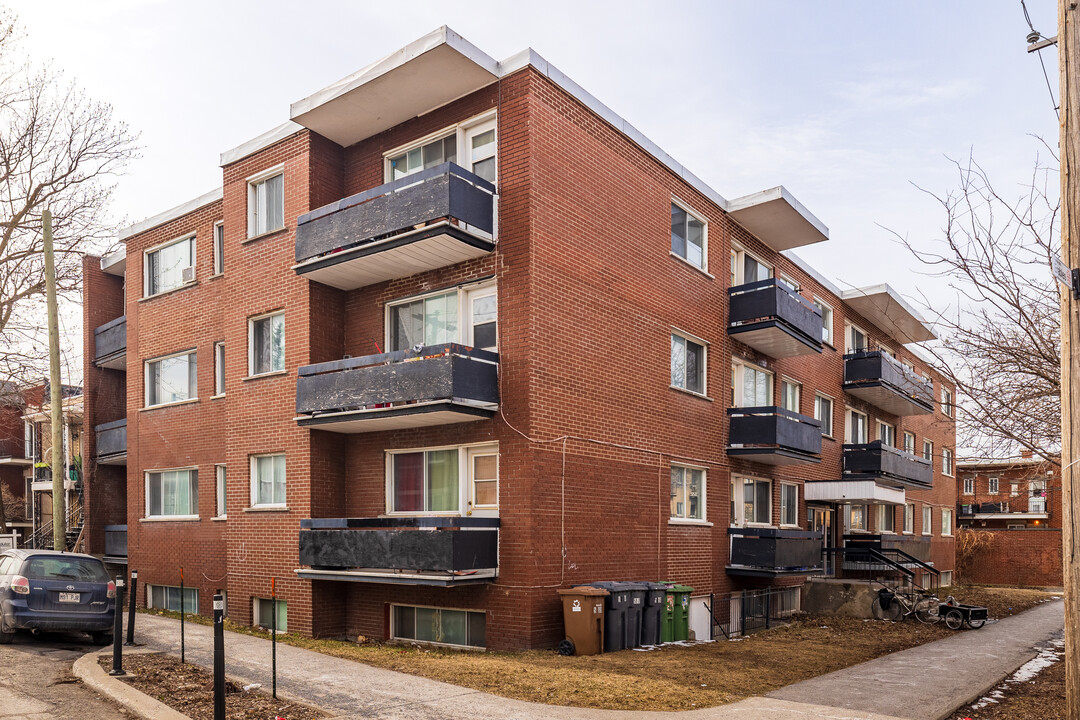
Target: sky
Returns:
[[848, 104]]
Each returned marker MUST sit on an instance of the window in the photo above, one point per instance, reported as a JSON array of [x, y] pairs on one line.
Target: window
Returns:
[[969, 486], [909, 518], [687, 364], [790, 395], [219, 491], [264, 614], [855, 517], [437, 625], [927, 520], [946, 402], [858, 427], [928, 450], [481, 144], [266, 343], [172, 493], [268, 480], [886, 519], [1014, 489], [425, 481], [428, 155], [166, 597], [789, 504], [171, 379], [909, 442], [466, 315], [946, 461], [688, 236], [484, 477], [475, 142], [946, 522], [826, 321], [745, 268], [1037, 496], [687, 493], [856, 339], [219, 368], [946, 578], [219, 247], [169, 266], [823, 412], [266, 202], [887, 434], [29, 439], [750, 386], [751, 502], [993, 486]]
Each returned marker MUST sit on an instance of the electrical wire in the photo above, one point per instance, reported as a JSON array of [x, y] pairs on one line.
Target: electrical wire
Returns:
[[1049, 87]]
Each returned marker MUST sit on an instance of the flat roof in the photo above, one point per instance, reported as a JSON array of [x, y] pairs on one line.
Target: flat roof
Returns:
[[884, 307], [171, 214], [116, 263]]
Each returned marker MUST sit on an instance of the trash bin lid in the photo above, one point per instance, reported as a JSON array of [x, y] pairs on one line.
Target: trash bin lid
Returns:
[[639, 586], [655, 585], [583, 590], [681, 589], [615, 586]]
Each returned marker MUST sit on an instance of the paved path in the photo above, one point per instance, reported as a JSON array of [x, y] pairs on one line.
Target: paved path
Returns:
[[930, 681], [918, 683]]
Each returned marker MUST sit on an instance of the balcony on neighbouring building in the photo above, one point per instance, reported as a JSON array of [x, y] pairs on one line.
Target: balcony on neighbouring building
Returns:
[[437, 385], [774, 436], [1018, 509], [767, 552], [12, 452], [431, 219], [772, 318], [442, 551], [112, 442], [886, 465], [116, 543], [915, 546], [873, 376], [110, 344]]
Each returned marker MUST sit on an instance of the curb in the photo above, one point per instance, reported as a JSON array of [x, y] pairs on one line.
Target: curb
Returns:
[[87, 669]]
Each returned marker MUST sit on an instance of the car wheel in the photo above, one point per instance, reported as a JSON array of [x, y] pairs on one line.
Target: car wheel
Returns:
[[101, 638]]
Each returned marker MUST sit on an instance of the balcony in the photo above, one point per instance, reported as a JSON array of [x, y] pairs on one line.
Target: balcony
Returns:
[[110, 344], [431, 219], [439, 385], [774, 319], [112, 443], [773, 436], [886, 465], [441, 551], [1004, 510], [766, 552], [13, 453], [916, 547], [873, 376]]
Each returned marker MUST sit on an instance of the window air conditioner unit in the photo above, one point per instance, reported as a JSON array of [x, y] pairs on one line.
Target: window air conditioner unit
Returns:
[[188, 274]]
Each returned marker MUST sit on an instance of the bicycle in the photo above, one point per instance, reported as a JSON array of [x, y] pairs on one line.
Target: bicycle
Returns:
[[894, 606]]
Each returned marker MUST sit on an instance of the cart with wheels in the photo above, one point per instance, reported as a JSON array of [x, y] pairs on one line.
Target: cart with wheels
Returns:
[[956, 615]]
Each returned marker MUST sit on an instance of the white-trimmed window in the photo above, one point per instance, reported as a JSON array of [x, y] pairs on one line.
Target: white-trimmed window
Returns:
[[745, 268], [462, 628], [750, 386], [946, 578], [689, 233], [790, 395], [927, 520], [263, 614], [946, 461], [467, 315], [219, 247], [472, 145], [855, 517], [688, 363], [946, 402], [826, 320], [428, 155], [886, 433], [169, 266], [687, 493], [266, 344], [429, 480], [856, 339], [266, 202], [946, 522], [1014, 489], [928, 450], [992, 486], [886, 519], [823, 411], [909, 518], [484, 477], [789, 504], [171, 379], [219, 369], [858, 427], [220, 509], [172, 493], [268, 480], [969, 486], [1037, 496], [909, 442], [751, 501], [29, 439], [167, 597]]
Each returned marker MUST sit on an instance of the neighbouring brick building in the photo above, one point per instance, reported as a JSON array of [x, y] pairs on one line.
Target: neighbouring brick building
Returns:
[[457, 335]]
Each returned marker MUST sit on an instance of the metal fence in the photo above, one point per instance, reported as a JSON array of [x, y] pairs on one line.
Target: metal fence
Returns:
[[749, 610]]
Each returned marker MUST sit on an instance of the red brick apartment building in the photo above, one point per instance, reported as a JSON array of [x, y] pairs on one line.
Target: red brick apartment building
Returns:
[[457, 335]]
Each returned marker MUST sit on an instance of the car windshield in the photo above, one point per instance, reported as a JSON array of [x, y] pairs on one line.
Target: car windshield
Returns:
[[65, 568]]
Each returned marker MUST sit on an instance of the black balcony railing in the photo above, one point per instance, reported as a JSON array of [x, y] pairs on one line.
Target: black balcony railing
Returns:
[[768, 552], [873, 376], [772, 318], [886, 465], [110, 344], [915, 546], [11, 449], [111, 442], [411, 550], [430, 219], [436, 385], [773, 435]]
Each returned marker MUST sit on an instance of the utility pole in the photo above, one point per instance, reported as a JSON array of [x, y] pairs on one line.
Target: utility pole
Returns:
[[56, 395]]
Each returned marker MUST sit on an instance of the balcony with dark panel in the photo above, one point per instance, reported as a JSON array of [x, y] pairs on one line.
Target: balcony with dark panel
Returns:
[[110, 344], [112, 442], [436, 385], [768, 552], [773, 436], [441, 551], [431, 219], [873, 376], [772, 318], [887, 466]]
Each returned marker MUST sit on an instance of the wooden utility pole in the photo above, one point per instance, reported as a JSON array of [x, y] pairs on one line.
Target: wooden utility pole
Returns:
[[56, 395]]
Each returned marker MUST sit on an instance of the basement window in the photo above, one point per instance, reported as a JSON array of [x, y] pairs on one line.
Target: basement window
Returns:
[[264, 614], [167, 597], [463, 628]]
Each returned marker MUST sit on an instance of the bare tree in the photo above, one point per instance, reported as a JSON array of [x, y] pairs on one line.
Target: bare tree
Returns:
[[60, 150], [1000, 339]]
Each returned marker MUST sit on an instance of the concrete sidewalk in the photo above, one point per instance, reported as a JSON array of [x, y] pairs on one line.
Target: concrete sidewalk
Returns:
[[918, 683]]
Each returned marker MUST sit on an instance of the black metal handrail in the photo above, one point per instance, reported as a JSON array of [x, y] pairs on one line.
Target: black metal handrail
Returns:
[[399, 356], [774, 410]]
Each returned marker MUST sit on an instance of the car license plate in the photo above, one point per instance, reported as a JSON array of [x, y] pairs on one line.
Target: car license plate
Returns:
[[69, 597]]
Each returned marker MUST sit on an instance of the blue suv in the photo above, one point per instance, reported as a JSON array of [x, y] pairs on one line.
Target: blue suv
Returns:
[[55, 591]]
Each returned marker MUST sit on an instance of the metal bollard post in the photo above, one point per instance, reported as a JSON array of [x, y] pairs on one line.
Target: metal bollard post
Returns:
[[181, 614], [273, 635], [219, 658], [131, 608], [118, 629]]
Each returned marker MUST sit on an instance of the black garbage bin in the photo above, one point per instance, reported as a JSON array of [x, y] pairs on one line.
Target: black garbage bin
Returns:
[[635, 613], [653, 613], [617, 605]]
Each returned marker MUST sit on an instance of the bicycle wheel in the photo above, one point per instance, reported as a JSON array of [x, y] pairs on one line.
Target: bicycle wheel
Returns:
[[892, 613], [954, 619], [926, 611]]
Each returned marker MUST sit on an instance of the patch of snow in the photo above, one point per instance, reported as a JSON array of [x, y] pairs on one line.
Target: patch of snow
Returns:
[[1026, 673]]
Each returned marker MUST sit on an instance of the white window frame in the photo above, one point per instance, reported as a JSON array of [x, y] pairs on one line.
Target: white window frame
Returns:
[[927, 520], [256, 613], [946, 402], [909, 518], [738, 519], [909, 447], [193, 610], [219, 369], [993, 485], [394, 629], [251, 344], [146, 378], [459, 131], [220, 493], [465, 477], [738, 369], [883, 429], [737, 274], [885, 513], [797, 394], [1037, 486], [1014, 489], [864, 510], [849, 346], [465, 295], [704, 345], [194, 496], [252, 465], [685, 518], [947, 468], [471, 454], [186, 237], [253, 183], [969, 486], [850, 426], [218, 237], [795, 511], [928, 450], [946, 522], [685, 207], [826, 321], [826, 428]]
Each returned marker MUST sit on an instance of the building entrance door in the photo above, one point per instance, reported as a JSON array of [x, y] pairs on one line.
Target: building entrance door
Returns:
[[821, 519]]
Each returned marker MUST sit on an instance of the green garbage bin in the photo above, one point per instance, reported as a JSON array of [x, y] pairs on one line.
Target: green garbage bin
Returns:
[[675, 617]]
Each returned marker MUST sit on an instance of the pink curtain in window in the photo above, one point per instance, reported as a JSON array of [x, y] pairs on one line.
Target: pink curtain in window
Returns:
[[409, 482]]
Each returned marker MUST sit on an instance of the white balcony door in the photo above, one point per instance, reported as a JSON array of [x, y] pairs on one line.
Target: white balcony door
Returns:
[[481, 324], [480, 146]]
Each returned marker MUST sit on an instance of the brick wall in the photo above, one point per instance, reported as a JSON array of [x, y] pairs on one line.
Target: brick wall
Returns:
[[1028, 558]]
